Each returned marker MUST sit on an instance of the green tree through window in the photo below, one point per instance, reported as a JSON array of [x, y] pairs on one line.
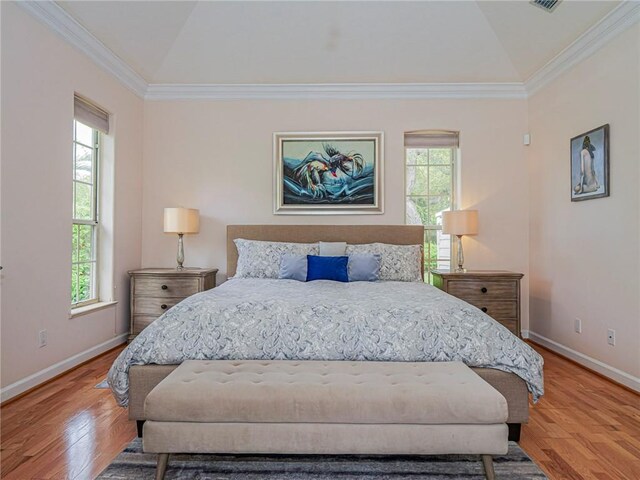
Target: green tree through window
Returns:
[[429, 191], [84, 234]]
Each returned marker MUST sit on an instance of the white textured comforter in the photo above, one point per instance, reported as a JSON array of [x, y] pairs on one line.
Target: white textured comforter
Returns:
[[325, 320]]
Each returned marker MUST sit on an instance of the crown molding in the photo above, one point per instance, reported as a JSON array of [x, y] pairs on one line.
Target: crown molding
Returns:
[[342, 91], [613, 24], [53, 16]]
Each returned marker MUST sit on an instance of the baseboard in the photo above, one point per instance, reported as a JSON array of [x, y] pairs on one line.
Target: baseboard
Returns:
[[623, 378], [48, 373]]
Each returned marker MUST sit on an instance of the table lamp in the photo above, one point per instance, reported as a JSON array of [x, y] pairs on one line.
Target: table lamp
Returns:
[[459, 223], [181, 221]]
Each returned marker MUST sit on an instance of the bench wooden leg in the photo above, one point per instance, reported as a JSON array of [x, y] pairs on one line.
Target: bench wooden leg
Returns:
[[163, 459], [487, 462]]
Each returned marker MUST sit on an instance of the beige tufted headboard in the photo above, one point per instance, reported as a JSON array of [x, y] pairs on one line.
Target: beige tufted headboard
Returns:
[[354, 234]]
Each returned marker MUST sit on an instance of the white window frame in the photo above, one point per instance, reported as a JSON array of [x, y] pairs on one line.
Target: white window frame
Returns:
[[429, 229], [94, 221]]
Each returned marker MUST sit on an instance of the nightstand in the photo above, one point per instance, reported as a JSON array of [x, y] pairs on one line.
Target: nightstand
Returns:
[[495, 292], [155, 290]]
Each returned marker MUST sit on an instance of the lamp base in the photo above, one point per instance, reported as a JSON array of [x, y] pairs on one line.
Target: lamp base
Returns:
[[460, 268], [180, 257]]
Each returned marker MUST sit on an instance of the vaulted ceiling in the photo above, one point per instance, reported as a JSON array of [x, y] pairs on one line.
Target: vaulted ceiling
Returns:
[[280, 42]]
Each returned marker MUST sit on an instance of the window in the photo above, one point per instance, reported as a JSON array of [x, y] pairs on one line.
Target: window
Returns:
[[87, 127], [430, 185], [84, 266]]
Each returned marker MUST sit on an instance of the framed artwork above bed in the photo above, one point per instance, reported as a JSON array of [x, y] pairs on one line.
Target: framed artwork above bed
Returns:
[[328, 173]]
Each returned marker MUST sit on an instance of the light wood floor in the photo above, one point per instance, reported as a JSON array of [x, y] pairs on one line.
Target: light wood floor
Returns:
[[65, 430], [584, 428]]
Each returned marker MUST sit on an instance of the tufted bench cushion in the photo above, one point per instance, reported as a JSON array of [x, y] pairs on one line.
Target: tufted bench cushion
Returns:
[[325, 392], [332, 407]]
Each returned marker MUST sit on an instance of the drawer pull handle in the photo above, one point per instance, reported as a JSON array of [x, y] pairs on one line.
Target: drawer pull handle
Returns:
[[483, 289], [164, 307], [484, 309], [164, 287]]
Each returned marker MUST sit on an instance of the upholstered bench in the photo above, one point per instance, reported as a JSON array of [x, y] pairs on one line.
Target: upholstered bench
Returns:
[[312, 407]]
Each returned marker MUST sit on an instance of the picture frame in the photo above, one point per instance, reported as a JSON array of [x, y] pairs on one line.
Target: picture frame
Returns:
[[328, 173], [590, 164]]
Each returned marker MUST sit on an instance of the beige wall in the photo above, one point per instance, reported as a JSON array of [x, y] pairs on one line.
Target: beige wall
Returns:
[[584, 257], [217, 156], [40, 73]]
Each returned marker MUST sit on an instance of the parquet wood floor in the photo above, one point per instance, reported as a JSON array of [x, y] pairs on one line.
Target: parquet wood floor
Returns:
[[583, 428]]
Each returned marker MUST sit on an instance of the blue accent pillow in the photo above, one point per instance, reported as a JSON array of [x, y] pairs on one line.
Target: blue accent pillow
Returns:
[[327, 268], [364, 267], [293, 267]]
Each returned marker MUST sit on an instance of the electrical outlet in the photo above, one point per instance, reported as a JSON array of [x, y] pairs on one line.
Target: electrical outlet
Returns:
[[577, 325], [611, 337], [42, 338]]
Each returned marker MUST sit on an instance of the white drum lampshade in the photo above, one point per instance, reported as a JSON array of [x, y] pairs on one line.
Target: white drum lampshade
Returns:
[[459, 223], [181, 221]]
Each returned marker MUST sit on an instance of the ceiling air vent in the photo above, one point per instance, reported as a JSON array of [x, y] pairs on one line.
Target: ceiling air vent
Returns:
[[547, 5]]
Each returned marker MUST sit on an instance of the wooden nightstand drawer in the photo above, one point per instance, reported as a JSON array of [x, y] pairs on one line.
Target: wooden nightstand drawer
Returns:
[[166, 287], [479, 290], [140, 322], [495, 308], [153, 306]]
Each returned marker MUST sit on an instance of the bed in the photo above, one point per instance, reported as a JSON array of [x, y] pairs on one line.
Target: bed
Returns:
[[409, 321]]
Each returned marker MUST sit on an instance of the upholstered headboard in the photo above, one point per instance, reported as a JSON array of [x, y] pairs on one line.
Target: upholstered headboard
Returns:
[[354, 234]]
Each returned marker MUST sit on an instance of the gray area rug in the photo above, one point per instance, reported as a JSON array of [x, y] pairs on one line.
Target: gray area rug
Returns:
[[102, 384], [132, 464]]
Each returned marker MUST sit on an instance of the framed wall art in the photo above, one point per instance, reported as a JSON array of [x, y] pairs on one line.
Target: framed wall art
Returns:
[[328, 173], [590, 164]]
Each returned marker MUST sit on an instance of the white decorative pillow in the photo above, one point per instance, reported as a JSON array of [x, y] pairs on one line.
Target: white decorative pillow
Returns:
[[332, 249], [259, 259], [401, 263]]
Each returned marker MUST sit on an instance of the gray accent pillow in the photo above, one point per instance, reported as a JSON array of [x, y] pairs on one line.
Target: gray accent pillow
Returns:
[[364, 267], [293, 267], [400, 263], [260, 259], [333, 249]]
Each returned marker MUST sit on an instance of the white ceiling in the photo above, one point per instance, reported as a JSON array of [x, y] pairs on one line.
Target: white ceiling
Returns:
[[238, 42]]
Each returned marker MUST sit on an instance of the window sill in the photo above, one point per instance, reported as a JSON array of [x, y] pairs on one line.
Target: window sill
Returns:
[[78, 312]]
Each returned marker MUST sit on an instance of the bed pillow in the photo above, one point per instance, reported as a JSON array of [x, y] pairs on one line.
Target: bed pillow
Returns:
[[293, 267], [400, 263], [327, 268], [333, 249], [260, 259], [364, 267]]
